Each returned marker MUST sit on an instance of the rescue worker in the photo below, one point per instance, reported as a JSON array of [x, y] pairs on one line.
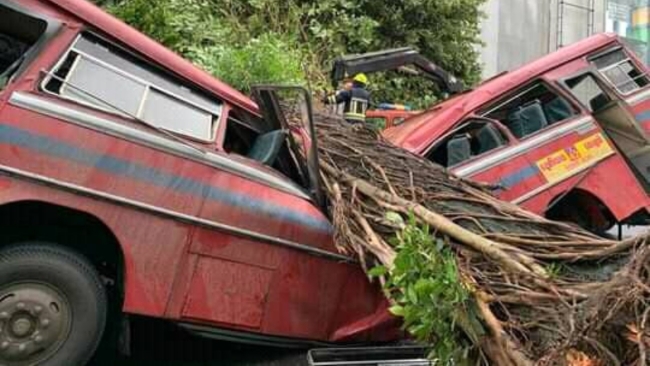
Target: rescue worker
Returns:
[[346, 87], [355, 100]]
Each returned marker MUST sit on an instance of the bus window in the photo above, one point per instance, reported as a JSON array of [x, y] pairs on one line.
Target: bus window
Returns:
[[587, 91], [101, 75], [472, 139], [530, 110], [18, 33], [619, 70]]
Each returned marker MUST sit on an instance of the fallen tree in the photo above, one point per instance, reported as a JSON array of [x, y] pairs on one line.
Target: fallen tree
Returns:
[[523, 290]]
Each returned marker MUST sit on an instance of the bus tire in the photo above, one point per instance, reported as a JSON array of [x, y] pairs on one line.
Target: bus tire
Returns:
[[53, 306]]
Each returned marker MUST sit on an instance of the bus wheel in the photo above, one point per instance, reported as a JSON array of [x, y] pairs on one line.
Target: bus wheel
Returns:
[[53, 306], [583, 209]]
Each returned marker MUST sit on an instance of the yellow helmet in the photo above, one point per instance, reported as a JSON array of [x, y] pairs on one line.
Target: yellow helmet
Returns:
[[361, 78]]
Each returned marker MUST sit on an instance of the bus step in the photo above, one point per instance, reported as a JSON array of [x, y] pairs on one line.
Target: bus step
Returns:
[[369, 356]]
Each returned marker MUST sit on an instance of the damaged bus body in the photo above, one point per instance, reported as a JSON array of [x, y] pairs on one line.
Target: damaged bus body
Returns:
[[565, 136]]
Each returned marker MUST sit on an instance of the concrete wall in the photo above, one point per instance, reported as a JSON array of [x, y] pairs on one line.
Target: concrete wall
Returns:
[[518, 31]]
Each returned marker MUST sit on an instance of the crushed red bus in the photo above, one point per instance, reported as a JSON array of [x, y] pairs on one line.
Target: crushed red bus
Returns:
[[565, 136]]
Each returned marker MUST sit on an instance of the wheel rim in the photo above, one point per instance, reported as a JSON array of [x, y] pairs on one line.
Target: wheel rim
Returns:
[[35, 321]]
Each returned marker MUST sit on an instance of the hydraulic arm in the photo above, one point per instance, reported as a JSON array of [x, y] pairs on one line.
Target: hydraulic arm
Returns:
[[394, 59]]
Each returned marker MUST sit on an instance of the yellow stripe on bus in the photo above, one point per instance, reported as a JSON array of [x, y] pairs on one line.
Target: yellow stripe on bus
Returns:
[[565, 162]]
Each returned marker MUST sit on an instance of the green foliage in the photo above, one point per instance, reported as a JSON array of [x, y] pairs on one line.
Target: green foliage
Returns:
[[267, 59], [310, 34], [181, 25], [427, 290], [193, 29], [554, 270]]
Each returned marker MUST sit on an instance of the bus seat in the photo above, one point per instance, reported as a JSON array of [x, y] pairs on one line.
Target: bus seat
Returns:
[[458, 150], [527, 119], [488, 138], [267, 147], [557, 110], [515, 124]]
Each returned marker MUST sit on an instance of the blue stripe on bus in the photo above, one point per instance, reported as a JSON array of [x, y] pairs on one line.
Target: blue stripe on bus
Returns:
[[643, 117], [46, 145], [519, 176]]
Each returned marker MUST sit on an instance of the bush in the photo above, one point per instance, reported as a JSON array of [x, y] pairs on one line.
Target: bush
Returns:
[[267, 59], [427, 291], [180, 25]]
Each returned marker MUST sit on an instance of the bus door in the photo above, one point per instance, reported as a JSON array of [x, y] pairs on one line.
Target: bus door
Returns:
[[616, 119]]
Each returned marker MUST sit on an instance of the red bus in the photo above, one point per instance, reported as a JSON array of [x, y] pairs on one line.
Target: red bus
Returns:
[[565, 136]]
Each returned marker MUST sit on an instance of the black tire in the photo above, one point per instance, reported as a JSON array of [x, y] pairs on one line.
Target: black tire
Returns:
[[71, 317]]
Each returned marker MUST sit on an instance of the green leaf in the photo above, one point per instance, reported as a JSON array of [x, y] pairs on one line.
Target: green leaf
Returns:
[[397, 310], [378, 271], [412, 295]]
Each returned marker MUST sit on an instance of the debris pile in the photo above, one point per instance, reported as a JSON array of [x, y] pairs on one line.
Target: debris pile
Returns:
[[546, 293]]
